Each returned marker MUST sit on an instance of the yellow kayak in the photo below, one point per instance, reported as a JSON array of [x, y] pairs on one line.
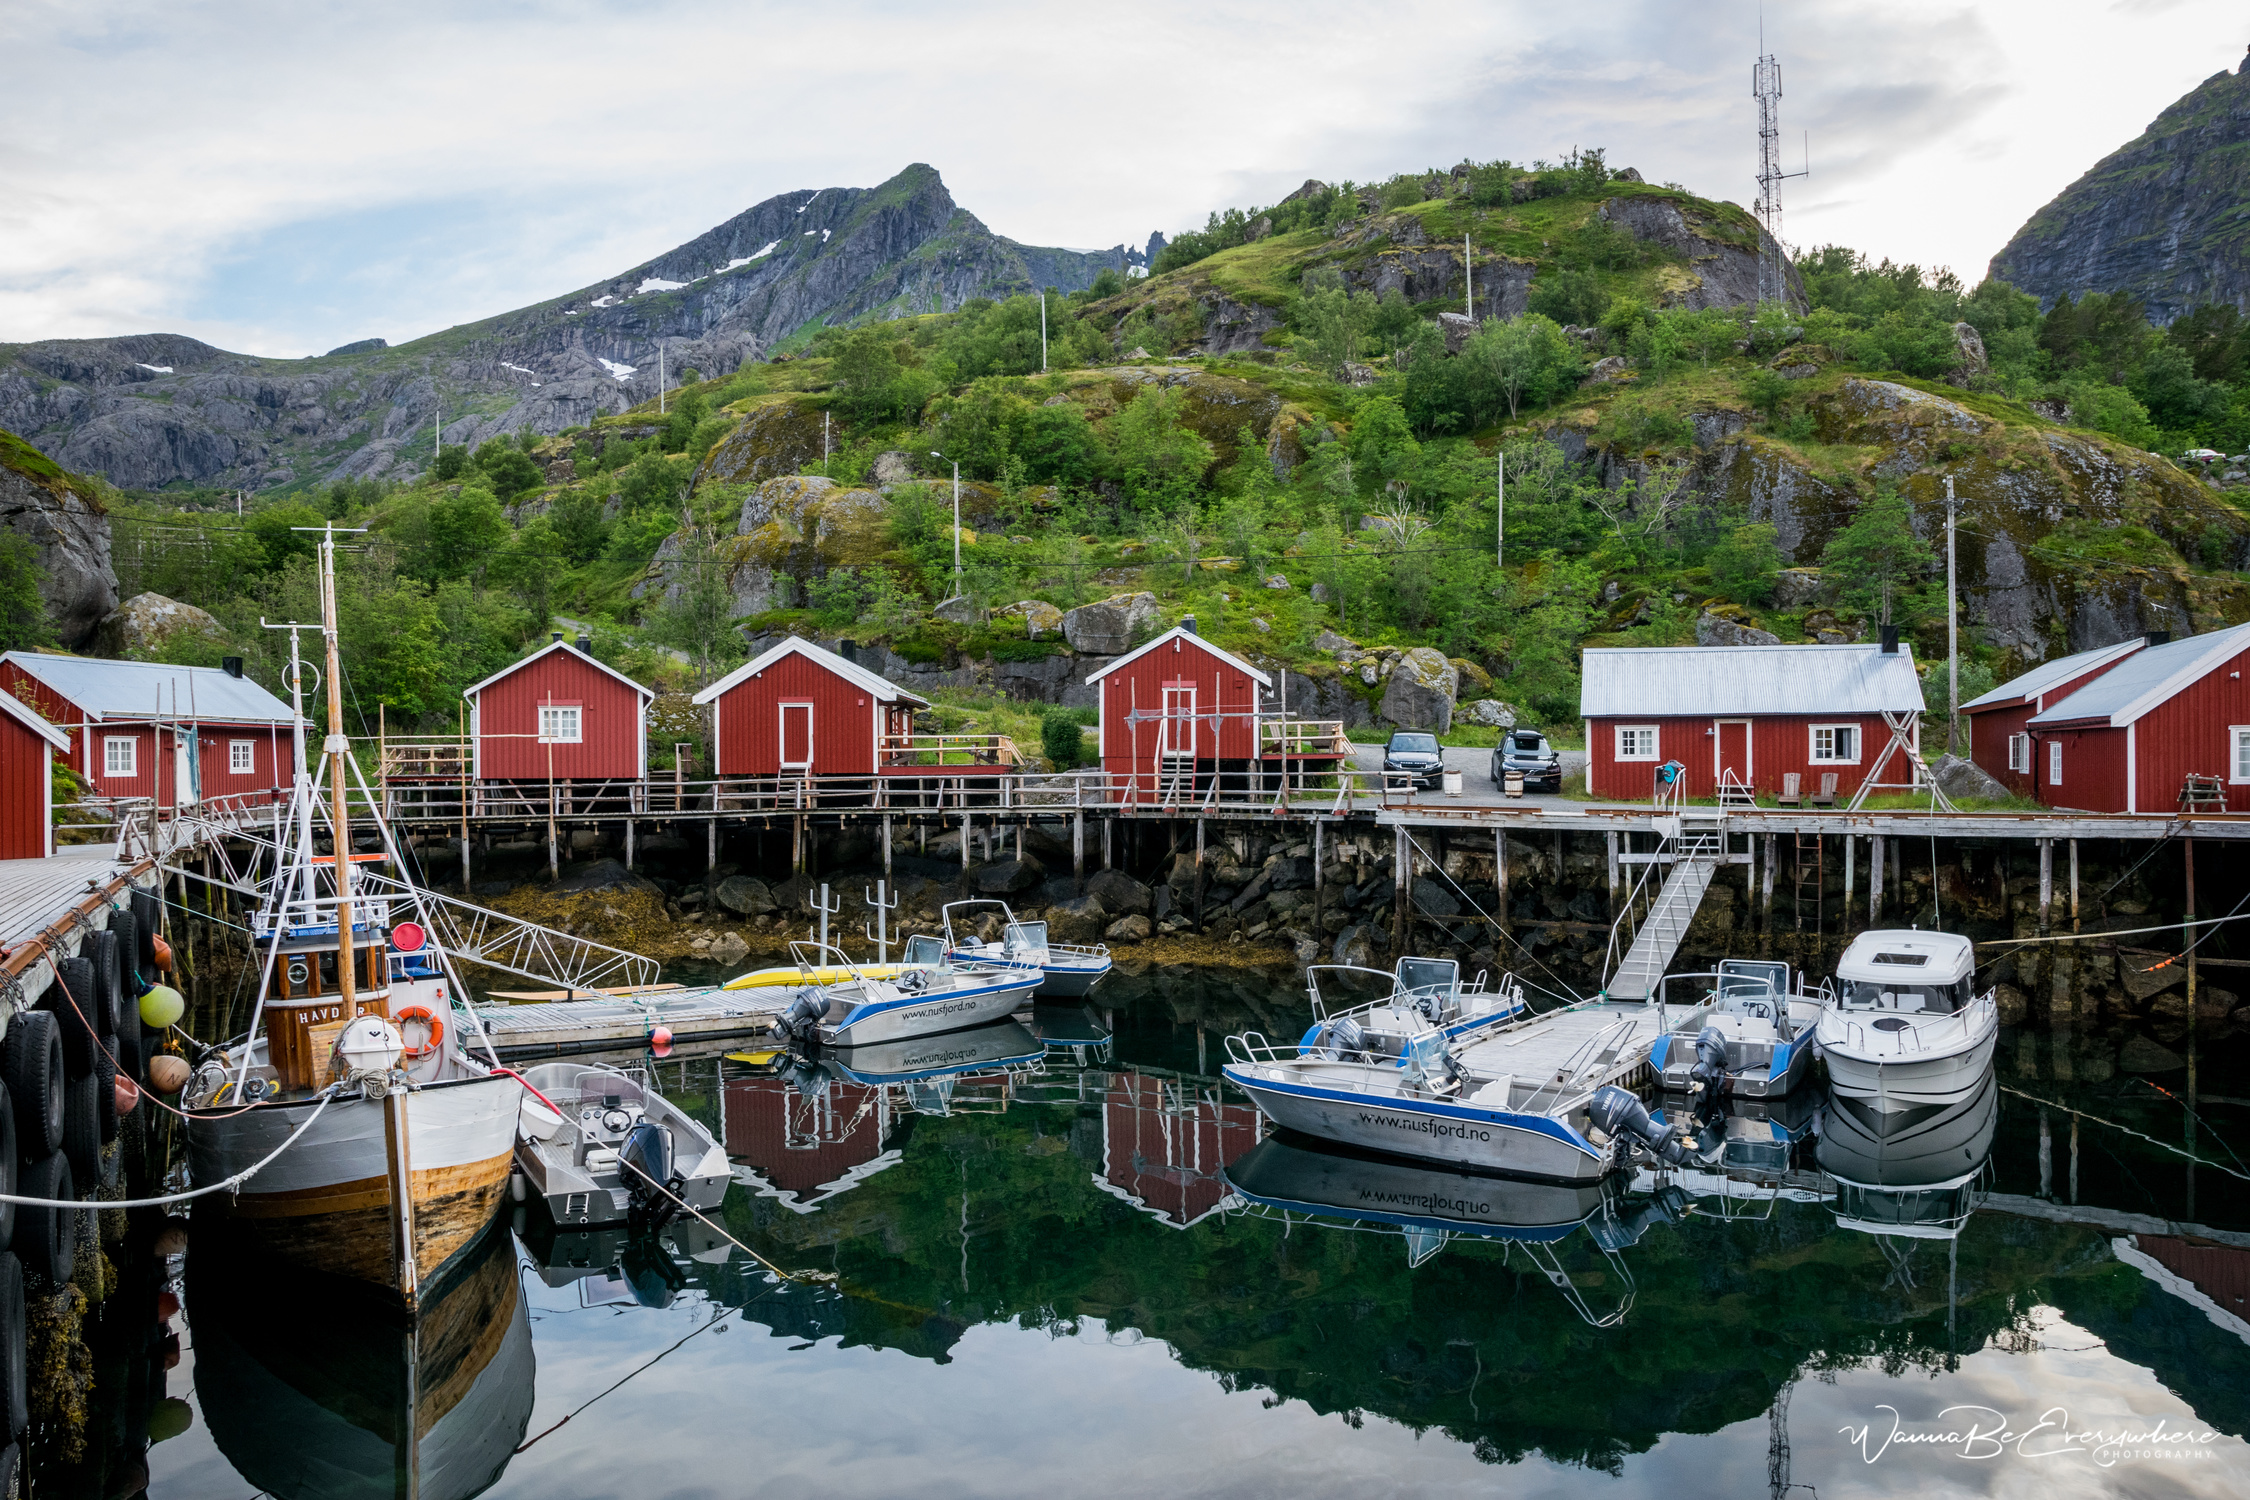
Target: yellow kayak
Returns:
[[761, 979]]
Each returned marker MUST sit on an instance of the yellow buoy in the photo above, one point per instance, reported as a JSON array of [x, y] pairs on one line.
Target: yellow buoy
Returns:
[[161, 1006]]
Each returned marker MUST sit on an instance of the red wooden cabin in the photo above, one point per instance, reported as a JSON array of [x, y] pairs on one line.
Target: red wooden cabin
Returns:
[[1746, 714], [798, 709], [559, 715], [2000, 743], [180, 735], [2128, 740], [28, 747]]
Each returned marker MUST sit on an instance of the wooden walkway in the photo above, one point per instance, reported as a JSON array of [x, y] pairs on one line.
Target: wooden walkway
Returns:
[[552, 1028]]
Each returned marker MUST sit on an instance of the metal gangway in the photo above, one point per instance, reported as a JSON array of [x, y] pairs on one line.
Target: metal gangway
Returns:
[[1693, 842]]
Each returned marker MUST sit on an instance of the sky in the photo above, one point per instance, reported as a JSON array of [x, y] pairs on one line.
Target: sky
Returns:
[[281, 178]]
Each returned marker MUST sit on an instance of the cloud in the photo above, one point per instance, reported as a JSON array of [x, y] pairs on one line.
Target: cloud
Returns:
[[284, 178]]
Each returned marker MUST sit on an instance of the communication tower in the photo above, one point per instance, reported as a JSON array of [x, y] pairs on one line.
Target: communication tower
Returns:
[[1765, 86]]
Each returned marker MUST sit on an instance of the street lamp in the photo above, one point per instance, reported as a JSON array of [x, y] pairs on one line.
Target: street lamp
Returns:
[[941, 458]]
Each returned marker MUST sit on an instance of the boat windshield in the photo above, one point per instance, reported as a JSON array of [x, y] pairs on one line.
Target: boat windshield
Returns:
[[922, 949], [1024, 937], [1438, 974], [1923, 999]]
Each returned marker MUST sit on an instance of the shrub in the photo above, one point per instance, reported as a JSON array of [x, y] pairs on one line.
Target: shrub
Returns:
[[1059, 739]]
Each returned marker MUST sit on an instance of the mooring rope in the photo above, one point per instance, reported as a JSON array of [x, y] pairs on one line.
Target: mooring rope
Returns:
[[217, 1187], [2129, 1130]]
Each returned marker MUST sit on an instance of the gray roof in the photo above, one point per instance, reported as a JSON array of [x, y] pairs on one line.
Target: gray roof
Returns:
[[147, 689], [2143, 680], [2051, 674], [1702, 681]]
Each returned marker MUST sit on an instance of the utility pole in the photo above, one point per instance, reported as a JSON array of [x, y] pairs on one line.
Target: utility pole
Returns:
[[1952, 633], [660, 377], [1500, 511], [824, 441], [437, 434], [1469, 275], [1042, 330], [941, 458]]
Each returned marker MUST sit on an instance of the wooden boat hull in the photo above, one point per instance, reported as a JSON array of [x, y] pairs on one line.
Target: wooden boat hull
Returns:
[[326, 1205]]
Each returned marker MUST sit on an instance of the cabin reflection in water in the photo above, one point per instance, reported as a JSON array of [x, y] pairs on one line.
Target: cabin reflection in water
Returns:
[[1166, 1144], [801, 1147], [358, 1402]]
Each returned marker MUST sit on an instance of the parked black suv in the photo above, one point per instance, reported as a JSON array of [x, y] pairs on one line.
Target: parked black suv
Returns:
[[1416, 756], [1528, 751]]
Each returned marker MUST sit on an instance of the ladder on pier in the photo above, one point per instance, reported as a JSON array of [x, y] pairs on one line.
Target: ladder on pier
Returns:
[[1696, 849]]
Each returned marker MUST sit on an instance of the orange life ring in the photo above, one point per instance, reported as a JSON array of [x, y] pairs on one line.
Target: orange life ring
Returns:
[[420, 1013]]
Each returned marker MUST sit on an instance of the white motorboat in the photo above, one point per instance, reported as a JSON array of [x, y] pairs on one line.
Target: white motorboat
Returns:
[[845, 1004], [1067, 971], [1418, 995], [1906, 1027], [597, 1142], [1755, 1042]]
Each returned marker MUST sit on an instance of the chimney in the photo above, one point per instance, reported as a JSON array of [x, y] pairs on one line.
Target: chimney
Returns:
[[232, 666], [554, 635], [586, 644], [2156, 637], [1187, 623], [1890, 640]]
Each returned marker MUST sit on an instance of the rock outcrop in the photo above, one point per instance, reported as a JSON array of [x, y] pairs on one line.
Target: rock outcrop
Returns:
[[1421, 689], [144, 624], [69, 536], [2160, 217], [1721, 249], [1108, 627]]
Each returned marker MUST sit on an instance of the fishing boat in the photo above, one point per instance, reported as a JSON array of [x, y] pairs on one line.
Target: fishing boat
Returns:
[[600, 1145], [393, 1140], [1067, 971], [839, 1003], [1432, 1206], [309, 1396], [1755, 1042], [1905, 1026], [1420, 995], [1527, 1095]]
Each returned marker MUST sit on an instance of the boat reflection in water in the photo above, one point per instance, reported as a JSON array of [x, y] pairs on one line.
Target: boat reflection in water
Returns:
[[1910, 1173], [619, 1265], [314, 1394], [1430, 1206]]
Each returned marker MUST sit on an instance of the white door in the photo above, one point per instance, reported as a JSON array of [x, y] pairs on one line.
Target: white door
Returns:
[[796, 736], [1178, 724], [183, 770]]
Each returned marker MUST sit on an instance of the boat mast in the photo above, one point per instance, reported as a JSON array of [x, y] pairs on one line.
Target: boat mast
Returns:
[[301, 785], [337, 747]]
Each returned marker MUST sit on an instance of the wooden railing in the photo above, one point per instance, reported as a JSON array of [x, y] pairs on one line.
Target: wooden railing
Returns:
[[1317, 737], [949, 750]]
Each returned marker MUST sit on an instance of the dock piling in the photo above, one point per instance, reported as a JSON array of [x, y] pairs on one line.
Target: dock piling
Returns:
[[1401, 876], [1610, 840], [1199, 875], [2046, 882], [1319, 876], [1078, 851], [1500, 873], [2074, 885], [1765, 888], [1875, 879]]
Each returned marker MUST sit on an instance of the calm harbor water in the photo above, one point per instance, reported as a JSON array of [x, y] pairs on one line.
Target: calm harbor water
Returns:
[[1090, 1273]]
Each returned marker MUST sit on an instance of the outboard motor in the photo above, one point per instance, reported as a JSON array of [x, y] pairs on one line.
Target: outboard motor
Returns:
[[654, 1279], [803, 1014], [646, 1156], [1339, 1038], [1709, 1075], [1618, 1114], [805, 1076]]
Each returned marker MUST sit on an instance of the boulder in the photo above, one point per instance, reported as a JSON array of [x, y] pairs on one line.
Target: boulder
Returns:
[[1968, 355], [1959, 778], [1076, 919], [796, 894], [2142, 1055], [1132, 929], [69, 535], [1107, 626], [1276, 581], [1421, 691], [1039, 617], [1432, 899], [1290, 873], [1006, 876], [729, 949], [892, 467], [601, 875], [1794, 588], [1488, 712], [741, 893], [1608, 370], [1714, 629], [141, 626], [1329, 641], [1355, 946], [958, 610], [1457, 327], [1119, 892], [1356, 374]]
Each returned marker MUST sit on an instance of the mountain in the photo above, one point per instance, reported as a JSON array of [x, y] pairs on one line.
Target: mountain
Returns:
[[2166, 216], [151, 410]]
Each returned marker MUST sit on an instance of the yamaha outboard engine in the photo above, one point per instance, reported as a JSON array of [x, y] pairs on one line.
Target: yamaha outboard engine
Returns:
[[1339, 1038], [805, 1076], [1618, 1114], [803, 1014], [646, 1156], [1709, 1075]]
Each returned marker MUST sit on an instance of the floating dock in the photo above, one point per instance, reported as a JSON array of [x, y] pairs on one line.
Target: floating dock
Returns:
[[555, 1028]]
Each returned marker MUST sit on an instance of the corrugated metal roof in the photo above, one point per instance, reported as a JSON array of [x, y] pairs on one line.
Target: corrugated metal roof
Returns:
[[147, 689], [882, 689], [584, 656], [1182, 633], [1700, 681], [2145, 679], [2052, 674]]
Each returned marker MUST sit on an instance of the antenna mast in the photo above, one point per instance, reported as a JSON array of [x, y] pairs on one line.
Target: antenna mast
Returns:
[[1765, 86]]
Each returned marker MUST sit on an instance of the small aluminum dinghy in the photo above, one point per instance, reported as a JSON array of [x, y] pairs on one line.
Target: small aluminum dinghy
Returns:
[[1755, 1042], [596, 1143]]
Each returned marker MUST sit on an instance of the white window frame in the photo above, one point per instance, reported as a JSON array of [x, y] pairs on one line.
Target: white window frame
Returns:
[[1176, 731], [2019, 754], [2238, 740], [1813, 744], [2054, 763], [131, 745], [562, 724], [242, 757], [781, 741], [1628, 735]]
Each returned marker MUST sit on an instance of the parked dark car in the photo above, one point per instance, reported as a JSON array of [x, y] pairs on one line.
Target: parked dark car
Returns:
[[1413, 755], [1532, 753]]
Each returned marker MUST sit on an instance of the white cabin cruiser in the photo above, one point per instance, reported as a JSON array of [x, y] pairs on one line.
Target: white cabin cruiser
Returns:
[[1906, 1027], [929, 993], [1756, 1041], [598, 1143], [1067, 971]]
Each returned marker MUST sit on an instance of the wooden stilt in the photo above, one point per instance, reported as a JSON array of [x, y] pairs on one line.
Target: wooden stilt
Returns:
[[1609, 841], [1875, 879], [1765, 887], [1319, 874], [2074, 885], [1078, 851], [2046, 882], [1198, 874], [1851, 859], [1402, 863], [1500, 874]]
